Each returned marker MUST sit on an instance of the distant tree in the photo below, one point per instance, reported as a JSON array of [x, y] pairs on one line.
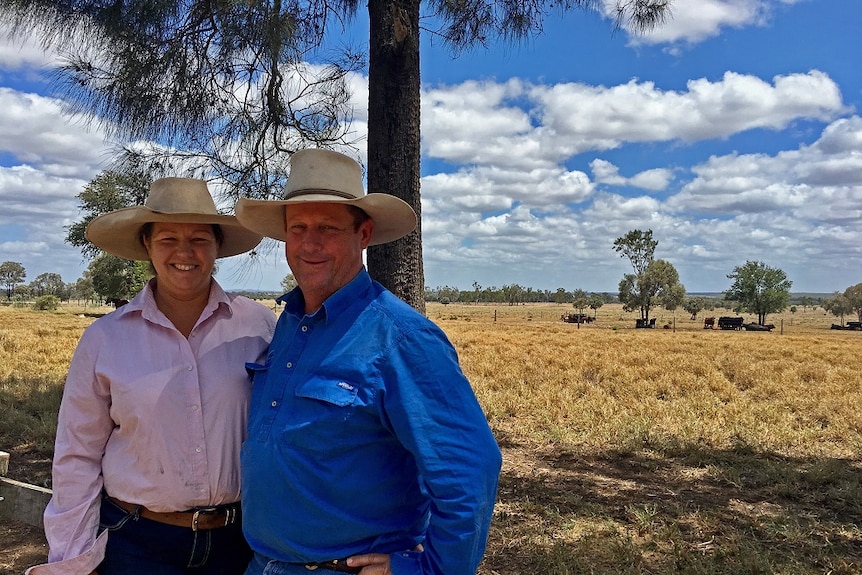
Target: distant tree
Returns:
[[561, 296], [448, 292], [760, 289], [657, 285], [49, 284], [806, 301], [83, 289], [23, 292], [639, 247], [839, 305], [693, 305], [11, 274], [595, 302], [477, 291], [116, 278], [512, 294], [854, 296], [288, 283], [580, 300], [655, 282], [105, 193]]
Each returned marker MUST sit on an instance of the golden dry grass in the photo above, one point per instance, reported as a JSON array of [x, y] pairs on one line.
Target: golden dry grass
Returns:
[[35, 350], [626, 451], [677, 450]]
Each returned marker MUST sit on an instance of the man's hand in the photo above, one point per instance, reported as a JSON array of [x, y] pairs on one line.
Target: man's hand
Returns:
[[371, 563], [375, 563]]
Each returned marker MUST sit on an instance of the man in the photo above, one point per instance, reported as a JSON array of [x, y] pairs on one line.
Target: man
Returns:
[[367, 450]]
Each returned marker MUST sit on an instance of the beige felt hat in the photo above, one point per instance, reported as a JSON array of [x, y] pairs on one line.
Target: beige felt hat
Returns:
[[182, 200], [326, 176]]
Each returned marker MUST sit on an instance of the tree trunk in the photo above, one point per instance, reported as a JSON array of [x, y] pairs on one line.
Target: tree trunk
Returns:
[[393, 139]]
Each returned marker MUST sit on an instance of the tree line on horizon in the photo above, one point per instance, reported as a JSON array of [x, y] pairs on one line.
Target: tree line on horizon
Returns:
[[101, 283]]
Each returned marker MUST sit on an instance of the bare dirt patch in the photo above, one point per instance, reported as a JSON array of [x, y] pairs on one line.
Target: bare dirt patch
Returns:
[[22, 546]]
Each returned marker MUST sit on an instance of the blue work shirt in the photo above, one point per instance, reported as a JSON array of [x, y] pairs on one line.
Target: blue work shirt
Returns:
[[365, 437]]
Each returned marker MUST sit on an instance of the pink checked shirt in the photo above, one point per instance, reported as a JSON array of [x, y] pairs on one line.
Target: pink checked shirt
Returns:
[[151, 417]]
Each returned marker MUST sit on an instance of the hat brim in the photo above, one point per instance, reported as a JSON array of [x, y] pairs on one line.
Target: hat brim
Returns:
[[117, 232], [393, 217]]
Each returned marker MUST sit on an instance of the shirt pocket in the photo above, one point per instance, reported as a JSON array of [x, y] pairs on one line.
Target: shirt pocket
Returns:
[[336, 392]]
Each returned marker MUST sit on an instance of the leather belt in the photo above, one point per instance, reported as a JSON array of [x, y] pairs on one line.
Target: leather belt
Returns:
[[201, 519], [339, 565]]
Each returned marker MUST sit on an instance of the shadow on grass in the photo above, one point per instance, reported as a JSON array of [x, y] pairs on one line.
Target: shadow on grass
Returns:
[[699, 511], [28, 412]]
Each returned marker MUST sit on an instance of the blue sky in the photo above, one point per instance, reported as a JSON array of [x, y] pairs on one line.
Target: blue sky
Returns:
[[733, 132]]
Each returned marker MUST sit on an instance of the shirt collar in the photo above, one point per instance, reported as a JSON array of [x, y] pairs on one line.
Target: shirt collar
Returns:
[[145, 302], [336, 304]]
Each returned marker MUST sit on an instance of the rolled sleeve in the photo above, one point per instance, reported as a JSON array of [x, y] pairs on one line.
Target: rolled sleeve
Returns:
[[436, 416]]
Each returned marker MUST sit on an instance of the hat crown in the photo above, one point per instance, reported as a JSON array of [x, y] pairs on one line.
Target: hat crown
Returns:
[[179, 200], [315, 171], [329, 177], [180, 196]]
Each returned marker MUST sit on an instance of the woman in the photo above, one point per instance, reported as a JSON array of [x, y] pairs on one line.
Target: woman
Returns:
[[146, 463]]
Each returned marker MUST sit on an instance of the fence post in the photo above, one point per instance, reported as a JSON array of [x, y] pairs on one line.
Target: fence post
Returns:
[[21, 501]]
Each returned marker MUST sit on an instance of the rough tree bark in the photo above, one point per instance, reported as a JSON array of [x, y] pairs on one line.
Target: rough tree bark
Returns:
[[393, 139]]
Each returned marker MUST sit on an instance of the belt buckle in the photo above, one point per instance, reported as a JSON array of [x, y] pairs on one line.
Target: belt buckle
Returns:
[[203, 511]]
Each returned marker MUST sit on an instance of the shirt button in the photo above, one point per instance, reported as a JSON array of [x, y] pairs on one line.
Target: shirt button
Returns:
[[289, 364], [191, 367], [274, 403], [194, 408], [305, 328], [198, 449]]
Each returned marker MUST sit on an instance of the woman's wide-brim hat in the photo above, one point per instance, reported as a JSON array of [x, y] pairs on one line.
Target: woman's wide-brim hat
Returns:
[[179, 200], [330, 177]]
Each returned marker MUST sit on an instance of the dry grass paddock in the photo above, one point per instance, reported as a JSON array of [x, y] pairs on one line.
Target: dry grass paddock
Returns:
[[626, 451]]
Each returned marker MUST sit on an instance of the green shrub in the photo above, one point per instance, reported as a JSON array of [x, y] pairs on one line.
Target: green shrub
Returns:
[[46, 303]]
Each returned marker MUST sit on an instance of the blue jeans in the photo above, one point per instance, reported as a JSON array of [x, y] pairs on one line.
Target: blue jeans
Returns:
[[138, 546]]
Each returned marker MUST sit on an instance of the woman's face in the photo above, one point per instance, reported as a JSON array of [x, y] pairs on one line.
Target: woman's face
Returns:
[[183, 256]]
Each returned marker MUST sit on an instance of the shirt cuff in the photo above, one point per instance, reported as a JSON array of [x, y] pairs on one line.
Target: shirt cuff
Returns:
[[81, 565]]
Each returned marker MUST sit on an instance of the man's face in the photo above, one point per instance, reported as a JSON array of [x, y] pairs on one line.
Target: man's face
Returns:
[[323, 248]]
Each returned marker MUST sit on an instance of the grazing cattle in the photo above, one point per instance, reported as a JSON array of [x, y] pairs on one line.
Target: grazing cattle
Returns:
[[708, 323], [735, 323], [116, 302], [758, 327], [642, 323], [576, 318]]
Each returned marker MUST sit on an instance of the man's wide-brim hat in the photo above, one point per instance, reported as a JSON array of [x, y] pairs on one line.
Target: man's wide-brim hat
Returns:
[[179, 200], [330, 177]]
